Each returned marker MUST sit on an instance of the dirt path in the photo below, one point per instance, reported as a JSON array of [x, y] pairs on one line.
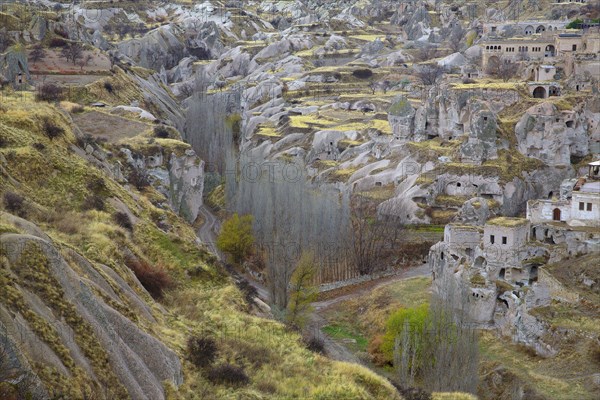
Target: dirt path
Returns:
[[337, 351], [207, 233], [363, 289]]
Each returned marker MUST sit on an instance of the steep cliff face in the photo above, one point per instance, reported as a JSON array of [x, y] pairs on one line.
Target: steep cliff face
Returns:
[[161, 48], [555, 137], [174, 170]]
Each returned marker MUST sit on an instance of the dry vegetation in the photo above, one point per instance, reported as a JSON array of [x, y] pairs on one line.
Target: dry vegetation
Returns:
[[53, 191]]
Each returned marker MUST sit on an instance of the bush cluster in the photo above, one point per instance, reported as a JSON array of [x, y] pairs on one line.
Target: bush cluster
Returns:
[[51, 130], [362, 73], [123, 220], [154, 279], [14, 203], [201, 351], [227, 374], [161, 132], [49, 92]]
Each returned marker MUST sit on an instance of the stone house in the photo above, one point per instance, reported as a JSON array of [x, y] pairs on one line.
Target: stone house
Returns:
[[516, 49], [495, 272], [544, 73], [578, 207]]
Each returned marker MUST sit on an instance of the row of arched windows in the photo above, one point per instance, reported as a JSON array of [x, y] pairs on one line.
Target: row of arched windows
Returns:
[[512, 49]]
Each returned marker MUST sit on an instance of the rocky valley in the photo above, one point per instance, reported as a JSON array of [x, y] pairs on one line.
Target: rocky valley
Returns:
[[300, 199]]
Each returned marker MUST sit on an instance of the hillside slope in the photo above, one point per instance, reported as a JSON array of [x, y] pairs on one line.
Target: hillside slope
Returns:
[[75, 321]]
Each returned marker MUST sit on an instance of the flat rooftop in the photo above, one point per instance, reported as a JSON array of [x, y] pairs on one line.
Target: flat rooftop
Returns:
[[591, 187], [510, 222]]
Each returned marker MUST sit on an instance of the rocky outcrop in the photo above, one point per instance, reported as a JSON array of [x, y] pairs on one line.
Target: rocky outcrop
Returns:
[[186, 184], [178, 175], [14, 68], [554, 136], [414, 19], [160, 48], [71, 320]]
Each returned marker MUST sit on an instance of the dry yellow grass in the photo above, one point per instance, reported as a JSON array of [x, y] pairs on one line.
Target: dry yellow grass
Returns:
[[208, 303]]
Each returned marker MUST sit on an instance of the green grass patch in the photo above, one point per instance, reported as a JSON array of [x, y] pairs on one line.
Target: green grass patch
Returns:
[[346, 335]]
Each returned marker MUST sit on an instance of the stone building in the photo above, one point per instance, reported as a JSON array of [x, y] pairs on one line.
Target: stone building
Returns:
[[544, 73], [580, 206], [517, 49], [522, 28], [578, 52]]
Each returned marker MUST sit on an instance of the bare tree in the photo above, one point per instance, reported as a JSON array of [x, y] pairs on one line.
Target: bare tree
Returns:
[[503, 69], [85, 61], [72, 52], [430, 73], [38, 53], [186, 90], [371, 239], [455, 40], [291, 217], [443, 351], [426, 53], [373, 85], [385, 86], [451, 349]]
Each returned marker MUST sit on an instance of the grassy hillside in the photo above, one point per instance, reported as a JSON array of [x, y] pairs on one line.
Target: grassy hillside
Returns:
[[504, 366], [46, 182]]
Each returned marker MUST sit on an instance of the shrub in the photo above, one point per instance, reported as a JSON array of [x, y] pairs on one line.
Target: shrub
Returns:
[[57, 42], [227, 374], [109, 87], [96, 185], [202, 351], [93, 202], [154, 279], [412, 393], [83, 141], [247, 290], [161, 132], [123, 220], [362, 73], [39, 146], [374, 349], [139, 179], [594, 352], [267, 387], [49, 92], [77, 109], [236, 237], [315, 344], [68, 223], [14, 203], [416, 318], [51, 130]]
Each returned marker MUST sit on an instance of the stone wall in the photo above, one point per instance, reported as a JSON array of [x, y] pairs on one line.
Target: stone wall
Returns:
[[590, 217], [543, 210]]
